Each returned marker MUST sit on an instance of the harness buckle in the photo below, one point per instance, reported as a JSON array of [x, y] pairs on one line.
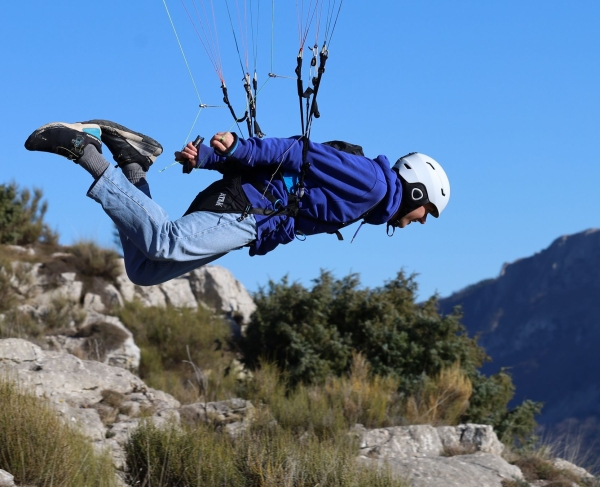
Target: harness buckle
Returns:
[[245, 214]]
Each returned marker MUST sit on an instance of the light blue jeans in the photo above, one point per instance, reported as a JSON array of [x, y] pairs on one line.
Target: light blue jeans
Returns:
[[157, 249]]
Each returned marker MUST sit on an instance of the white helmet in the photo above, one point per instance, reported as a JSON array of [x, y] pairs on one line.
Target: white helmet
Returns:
[[423, 181]]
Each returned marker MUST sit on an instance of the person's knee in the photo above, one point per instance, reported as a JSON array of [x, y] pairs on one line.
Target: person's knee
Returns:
[[141, 277]]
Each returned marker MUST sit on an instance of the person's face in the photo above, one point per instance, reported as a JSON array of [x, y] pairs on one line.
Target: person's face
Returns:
[[417, 215]]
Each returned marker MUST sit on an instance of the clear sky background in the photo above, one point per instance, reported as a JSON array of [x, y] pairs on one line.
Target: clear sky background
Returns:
[[504, 94]]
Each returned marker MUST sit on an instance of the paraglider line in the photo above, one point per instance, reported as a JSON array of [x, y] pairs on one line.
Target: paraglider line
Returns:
[[182, 52]]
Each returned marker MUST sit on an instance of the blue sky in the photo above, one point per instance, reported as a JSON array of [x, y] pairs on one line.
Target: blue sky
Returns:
[[503, 94]]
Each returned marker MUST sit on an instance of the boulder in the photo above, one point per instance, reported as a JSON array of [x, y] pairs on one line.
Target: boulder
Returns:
[[96, 397], [233, 414], [468, 438], [217, 287], [178, 293], [474, 470], [6, 479], [102, 338], [420, 453], [570, 467]]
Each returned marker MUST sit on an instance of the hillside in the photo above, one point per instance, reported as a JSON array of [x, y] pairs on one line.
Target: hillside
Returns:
[[540, 318]]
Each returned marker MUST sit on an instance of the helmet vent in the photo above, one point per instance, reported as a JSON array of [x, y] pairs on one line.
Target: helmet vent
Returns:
[[443, 194], [430, 165], [407, 166]]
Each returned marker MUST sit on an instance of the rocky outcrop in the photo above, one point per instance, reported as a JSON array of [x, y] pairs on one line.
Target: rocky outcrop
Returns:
[[106, 403], [218, 288], [440, 457], [80, 312]]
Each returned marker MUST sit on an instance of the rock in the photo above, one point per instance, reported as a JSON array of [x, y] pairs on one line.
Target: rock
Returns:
[[93, 302], [476, 470], [178, 293], [112, 297], [217, 287], [150, 296], [574, 469], [45, 289], [233, 415], [6, 479], [125, 286], [221, 412], [102, 338], [416, 452], [470, 438], [21, 250], [402, 441], [85, 392]]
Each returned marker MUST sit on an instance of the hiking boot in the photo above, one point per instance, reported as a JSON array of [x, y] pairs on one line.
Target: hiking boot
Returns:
[[128, 146], [65, 139]]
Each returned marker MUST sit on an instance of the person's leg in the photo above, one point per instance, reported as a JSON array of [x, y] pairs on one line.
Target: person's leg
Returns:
[[157, 249]]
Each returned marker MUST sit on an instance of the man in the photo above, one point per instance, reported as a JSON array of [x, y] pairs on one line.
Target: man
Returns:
[[273, 191]]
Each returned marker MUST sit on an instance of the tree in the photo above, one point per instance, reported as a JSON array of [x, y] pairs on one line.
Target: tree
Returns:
[[312, 333], [22, 216]]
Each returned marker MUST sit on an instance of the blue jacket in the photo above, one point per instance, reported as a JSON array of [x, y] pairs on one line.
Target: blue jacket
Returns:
[[340, 187]]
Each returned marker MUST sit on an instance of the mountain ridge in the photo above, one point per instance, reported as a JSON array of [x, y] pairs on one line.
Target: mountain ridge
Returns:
[[539, 319]]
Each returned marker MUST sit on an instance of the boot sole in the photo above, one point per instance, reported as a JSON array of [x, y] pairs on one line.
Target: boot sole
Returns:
[[148, 143]]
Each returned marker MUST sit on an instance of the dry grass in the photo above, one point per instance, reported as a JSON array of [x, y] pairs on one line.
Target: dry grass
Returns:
[[576, 441], [261, 457], [185, 352], [62, 315], [93, 261], [360, 397], [328, 409], [538, 467], [515, 483], [18, 324], [441, 400], [39, 449]]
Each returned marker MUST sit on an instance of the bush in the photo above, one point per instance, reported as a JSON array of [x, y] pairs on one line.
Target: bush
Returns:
[[94, 262], [262, 457], [331, 408], [22, 216], [441, 400], [185, 352], [39, 449], [311, 334]]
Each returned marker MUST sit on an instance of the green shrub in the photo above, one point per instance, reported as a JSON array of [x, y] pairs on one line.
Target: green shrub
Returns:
[[262, 457], [39, 449], [185, 352], [311, 334], [22, 216]]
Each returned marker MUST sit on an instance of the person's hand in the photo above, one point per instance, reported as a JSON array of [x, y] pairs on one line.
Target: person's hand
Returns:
[[222, 141], [188, 155]]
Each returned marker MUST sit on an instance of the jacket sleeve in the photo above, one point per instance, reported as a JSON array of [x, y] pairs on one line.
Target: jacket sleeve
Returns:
[[209, 159], [255, 152]]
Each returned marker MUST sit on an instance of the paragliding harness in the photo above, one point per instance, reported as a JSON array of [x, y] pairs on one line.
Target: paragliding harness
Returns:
[[227, 194]]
